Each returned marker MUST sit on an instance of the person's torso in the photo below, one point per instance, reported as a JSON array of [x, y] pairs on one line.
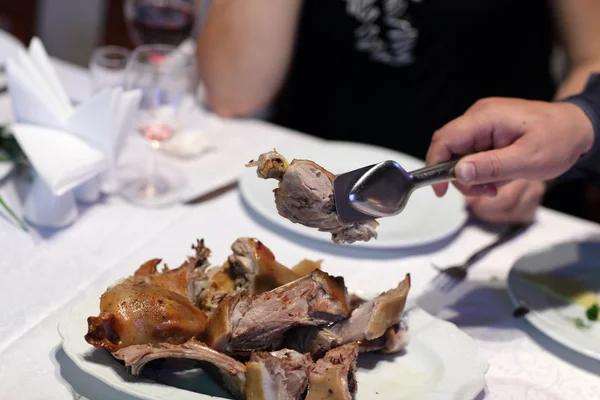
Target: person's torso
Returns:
[[391, 72]]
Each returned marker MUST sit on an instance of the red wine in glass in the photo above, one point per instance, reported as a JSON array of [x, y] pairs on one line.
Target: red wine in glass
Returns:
[[160, 21]]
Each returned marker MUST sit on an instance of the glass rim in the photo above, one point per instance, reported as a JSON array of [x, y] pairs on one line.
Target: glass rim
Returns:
[[187, 61], [99, 55]]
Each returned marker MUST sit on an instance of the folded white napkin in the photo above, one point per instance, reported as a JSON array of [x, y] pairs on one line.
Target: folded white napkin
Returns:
[[67, 146]]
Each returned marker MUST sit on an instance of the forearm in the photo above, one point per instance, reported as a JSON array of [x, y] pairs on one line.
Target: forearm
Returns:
[[577, 79], [244, 51], [589, 101]]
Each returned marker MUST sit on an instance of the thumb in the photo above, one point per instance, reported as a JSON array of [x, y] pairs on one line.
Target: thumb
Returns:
[[491, 166]]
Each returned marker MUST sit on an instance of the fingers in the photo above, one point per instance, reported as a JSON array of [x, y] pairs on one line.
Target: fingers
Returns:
[[460, 136], [493, 166], [516, 202], [440, 189]]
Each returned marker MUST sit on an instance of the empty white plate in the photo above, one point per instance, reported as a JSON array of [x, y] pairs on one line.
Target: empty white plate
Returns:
[[425, 219]]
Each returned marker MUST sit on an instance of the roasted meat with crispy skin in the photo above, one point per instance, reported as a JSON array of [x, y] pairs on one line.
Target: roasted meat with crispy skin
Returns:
[[333, 376], [305, 196], [394, 339], [140, 313], [224, 369], [375, 324], [185, 280], [244, 323], [252, 267], [280, 375]]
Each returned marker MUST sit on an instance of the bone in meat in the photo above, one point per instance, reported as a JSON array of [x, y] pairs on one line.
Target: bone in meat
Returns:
[[305, 196], [255, 267], [140, 313], [185, 280], [370, 320], [225, 370], [394, 339], [333, 376], [280, 375], [243, 323], [251, 267], [372, 324]]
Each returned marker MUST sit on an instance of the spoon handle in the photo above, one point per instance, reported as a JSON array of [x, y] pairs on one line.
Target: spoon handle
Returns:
[[432, 174]]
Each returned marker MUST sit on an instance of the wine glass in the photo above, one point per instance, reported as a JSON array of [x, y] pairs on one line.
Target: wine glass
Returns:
[[167, 80], [159, 21], [107, 66]]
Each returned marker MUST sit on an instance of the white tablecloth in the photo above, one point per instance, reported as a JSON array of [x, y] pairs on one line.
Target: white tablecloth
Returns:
[[42, 279]]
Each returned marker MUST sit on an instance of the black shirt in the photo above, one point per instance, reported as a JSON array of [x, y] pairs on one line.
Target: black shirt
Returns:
[[344, 85]]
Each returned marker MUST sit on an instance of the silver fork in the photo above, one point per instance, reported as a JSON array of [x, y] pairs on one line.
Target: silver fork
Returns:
[[449, 277]]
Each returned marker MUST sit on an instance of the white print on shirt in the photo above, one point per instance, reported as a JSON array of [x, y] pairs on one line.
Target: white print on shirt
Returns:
[[400, 34]]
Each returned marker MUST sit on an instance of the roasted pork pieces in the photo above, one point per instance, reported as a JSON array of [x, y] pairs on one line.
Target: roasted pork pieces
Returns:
[[230, 373], [185, 280], [251, 267], [374, 324], [141, 313], [245, 323], [261, 330], [305, 196], [279, 375], [333, 376]]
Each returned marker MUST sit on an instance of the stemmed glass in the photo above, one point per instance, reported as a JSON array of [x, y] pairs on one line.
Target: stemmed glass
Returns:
[[167, 80], [159, 21], [107, 66]]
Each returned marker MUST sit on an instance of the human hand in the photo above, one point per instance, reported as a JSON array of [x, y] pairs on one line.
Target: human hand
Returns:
[[516, 139], [516, 202]]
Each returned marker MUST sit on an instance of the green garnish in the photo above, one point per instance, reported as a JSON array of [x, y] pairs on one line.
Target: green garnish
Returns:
[[581, 324], [592, 313]]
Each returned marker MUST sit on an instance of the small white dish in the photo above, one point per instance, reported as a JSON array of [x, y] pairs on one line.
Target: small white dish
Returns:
[[426, 218], [440, 363]]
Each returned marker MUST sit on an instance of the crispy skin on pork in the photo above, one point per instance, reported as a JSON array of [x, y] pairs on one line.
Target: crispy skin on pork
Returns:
[[251, 267], [280, 375], [375, 324], [305, 196], [140, 313], [306, 267], [255, 268], [225, 370], [243, 323], [333, 376], [187, 280], [394, 339]]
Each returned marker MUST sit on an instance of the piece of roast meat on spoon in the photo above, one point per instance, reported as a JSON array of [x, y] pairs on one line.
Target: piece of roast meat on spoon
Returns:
[[244, 323], [280, 375], [231, 374], [305, 196]]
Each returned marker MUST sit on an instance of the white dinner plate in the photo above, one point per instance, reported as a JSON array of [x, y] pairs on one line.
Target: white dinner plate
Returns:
[[425, 219], [440, 363], [554, 317]]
